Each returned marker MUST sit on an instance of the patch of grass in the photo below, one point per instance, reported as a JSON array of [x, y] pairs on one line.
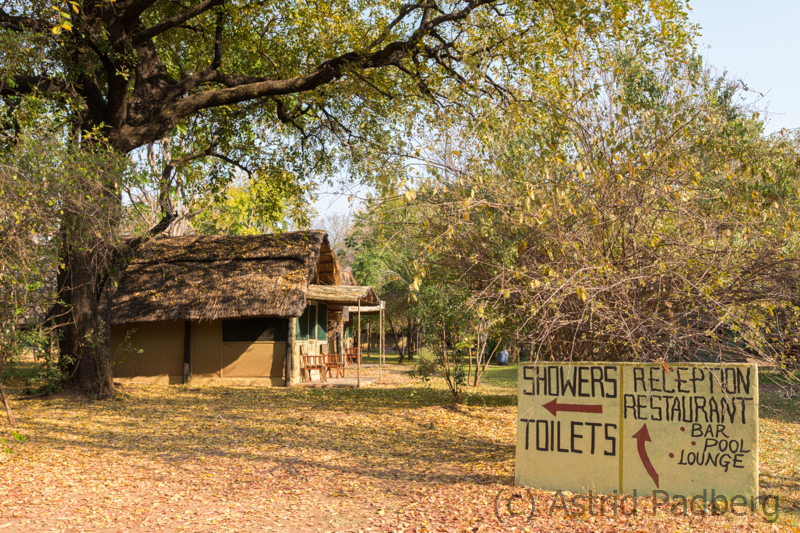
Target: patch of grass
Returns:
[[772, 377], [374, 359], [504, 377], [17, 372]]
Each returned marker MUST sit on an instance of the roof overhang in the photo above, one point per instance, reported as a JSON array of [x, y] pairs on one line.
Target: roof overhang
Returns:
[[369, 310], [343, 295]]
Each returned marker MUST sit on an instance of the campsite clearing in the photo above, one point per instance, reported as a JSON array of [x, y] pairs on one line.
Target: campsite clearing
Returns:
[[395, 456]]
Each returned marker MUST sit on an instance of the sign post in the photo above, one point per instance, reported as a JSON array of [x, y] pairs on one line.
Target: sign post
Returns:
[[621, 427]]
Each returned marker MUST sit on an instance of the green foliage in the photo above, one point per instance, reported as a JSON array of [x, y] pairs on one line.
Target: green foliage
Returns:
[[438, 304], [646, 219], [49, 376], [266, 204], [289, 94], [624, 207], [17, 437], [397, 68], [451, 366], [640, 86]]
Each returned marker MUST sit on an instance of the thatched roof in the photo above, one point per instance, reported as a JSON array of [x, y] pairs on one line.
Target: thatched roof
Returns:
[[343, 294], [216, 277]]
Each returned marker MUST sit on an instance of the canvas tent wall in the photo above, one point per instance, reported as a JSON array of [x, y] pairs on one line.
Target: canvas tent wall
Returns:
[[238, 351]]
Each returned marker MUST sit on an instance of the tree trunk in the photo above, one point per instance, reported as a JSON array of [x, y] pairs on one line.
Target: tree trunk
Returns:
[[11, 420], [84, 321], [469, 373], [90, 271], [478, 355], [394, 334], [482, 364], [408, 339]]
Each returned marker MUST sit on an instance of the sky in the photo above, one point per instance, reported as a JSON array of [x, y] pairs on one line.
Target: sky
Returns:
[[756, 41]]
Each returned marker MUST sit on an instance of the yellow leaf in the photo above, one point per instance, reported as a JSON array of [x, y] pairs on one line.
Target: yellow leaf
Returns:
[[582, 294]]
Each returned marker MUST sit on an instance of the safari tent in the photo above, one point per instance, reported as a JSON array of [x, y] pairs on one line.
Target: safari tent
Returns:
[[230, 309]]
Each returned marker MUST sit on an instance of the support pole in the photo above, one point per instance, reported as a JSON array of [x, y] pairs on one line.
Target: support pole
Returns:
[[187, 350], [382, 341], [358, 351], [339, 350], [287, 379]]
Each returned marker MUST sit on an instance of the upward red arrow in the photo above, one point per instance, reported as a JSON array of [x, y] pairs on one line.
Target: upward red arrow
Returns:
[[554, 407], [641, 437]]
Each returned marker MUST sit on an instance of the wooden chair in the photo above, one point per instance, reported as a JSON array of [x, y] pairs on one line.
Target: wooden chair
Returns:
[[335, 362], [313, 362], [353, 354]]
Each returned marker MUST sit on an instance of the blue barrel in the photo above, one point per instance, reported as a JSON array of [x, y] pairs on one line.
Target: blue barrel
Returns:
[[502, 357]]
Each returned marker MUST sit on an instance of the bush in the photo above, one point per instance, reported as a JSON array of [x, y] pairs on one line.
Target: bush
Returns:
[[49, 376]]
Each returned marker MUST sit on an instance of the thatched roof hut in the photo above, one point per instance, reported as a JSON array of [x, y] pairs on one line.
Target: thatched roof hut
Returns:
[[233, 309], [219, 277]]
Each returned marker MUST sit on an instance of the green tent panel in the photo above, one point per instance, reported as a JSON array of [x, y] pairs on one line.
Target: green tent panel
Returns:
[[302, 325], [322, 322]]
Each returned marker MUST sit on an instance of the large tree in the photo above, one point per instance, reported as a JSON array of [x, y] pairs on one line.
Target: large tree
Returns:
[[345, 76], [643, 215]]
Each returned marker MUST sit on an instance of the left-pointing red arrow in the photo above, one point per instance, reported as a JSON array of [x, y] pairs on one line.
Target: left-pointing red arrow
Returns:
[[554, 407]]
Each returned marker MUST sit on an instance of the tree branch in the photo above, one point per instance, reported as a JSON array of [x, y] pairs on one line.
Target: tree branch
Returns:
[[135, 8], [164, 201], [177, 20], [217, 61], [233, 162], [405, 10], [29, 84], [22, 24], [242, 88]]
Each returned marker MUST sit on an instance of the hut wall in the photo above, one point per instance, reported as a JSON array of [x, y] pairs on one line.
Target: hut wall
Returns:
[[206, 348], [121, 355], [212, 361], [297, 361], [261, 359], [161, 357]]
